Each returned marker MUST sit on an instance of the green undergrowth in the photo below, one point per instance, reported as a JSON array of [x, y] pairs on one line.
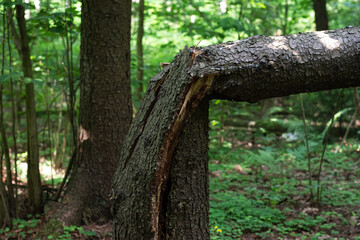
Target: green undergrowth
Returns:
[[31, 228], [259, 187]]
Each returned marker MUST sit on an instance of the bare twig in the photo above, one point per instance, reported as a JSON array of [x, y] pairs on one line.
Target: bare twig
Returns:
[[67, 173]]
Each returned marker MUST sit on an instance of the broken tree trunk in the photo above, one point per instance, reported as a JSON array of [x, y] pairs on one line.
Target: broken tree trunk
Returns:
[[153, 186]]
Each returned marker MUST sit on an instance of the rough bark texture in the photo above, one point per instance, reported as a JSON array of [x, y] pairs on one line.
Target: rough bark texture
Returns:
[[150, 171], [145, 194], [33, 173], [105, 110], [321, 16], [186, 207], [262, 67]]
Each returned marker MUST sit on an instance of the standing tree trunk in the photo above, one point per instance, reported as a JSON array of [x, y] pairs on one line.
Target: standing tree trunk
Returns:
[[33, 173], [5, 150], [321, 16], [147, 192], [105, 110], [10, 209], [139, 50]]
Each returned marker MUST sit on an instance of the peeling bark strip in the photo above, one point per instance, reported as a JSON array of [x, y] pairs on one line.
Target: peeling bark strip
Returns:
[[247, 70], [194, 94]]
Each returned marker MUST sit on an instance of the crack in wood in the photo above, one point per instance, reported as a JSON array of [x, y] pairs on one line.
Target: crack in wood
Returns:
[[147, 114], [197, 89], [159, 83]]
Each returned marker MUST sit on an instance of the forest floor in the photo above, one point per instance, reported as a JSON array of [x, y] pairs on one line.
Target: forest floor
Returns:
[[260, 189]]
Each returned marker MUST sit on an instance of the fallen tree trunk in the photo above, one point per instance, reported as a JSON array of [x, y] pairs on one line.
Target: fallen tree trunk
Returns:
[[152, 186]]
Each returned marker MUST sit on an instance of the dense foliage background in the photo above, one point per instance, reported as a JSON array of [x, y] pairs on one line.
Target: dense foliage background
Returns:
[[258, 155]]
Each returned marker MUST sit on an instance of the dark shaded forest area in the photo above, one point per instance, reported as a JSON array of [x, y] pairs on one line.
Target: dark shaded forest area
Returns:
[[225, 119]]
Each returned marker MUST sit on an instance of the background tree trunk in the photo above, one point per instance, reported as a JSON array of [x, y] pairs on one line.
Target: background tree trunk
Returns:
[[105, 110], [247, 70], [5, 150], [139, 50], [7, 205], [321, 16], [33, 173]]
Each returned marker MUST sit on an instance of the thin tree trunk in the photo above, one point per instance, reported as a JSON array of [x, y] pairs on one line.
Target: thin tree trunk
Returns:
[[69, 61], [321, 16], [14, 123], [240, 16], [286, 14], [49, 132], [4, 144], [139, 50], [58, 150], [5, 148], [11, 26], [33, 174], [247, 70], [4, 207]]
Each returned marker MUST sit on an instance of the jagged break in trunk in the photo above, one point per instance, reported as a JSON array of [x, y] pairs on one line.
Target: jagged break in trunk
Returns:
[[150, 189]]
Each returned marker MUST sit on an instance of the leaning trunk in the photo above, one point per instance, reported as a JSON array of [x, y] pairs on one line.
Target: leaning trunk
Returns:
[[146, 190]]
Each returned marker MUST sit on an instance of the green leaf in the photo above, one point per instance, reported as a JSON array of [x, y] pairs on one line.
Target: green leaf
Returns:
[[27, 80], [38, 81], [4, 78], [260, 4]]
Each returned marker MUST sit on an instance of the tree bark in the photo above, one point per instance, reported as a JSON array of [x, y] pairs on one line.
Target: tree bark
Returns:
[[105, 110], [321, 16], [8, 200], [5, 150], [247, 70], [186, 196], [33, 173], [139, 50], [4, 144]]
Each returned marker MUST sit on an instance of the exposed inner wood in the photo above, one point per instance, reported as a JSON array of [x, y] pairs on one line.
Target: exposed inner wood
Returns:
[[195, 92]]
